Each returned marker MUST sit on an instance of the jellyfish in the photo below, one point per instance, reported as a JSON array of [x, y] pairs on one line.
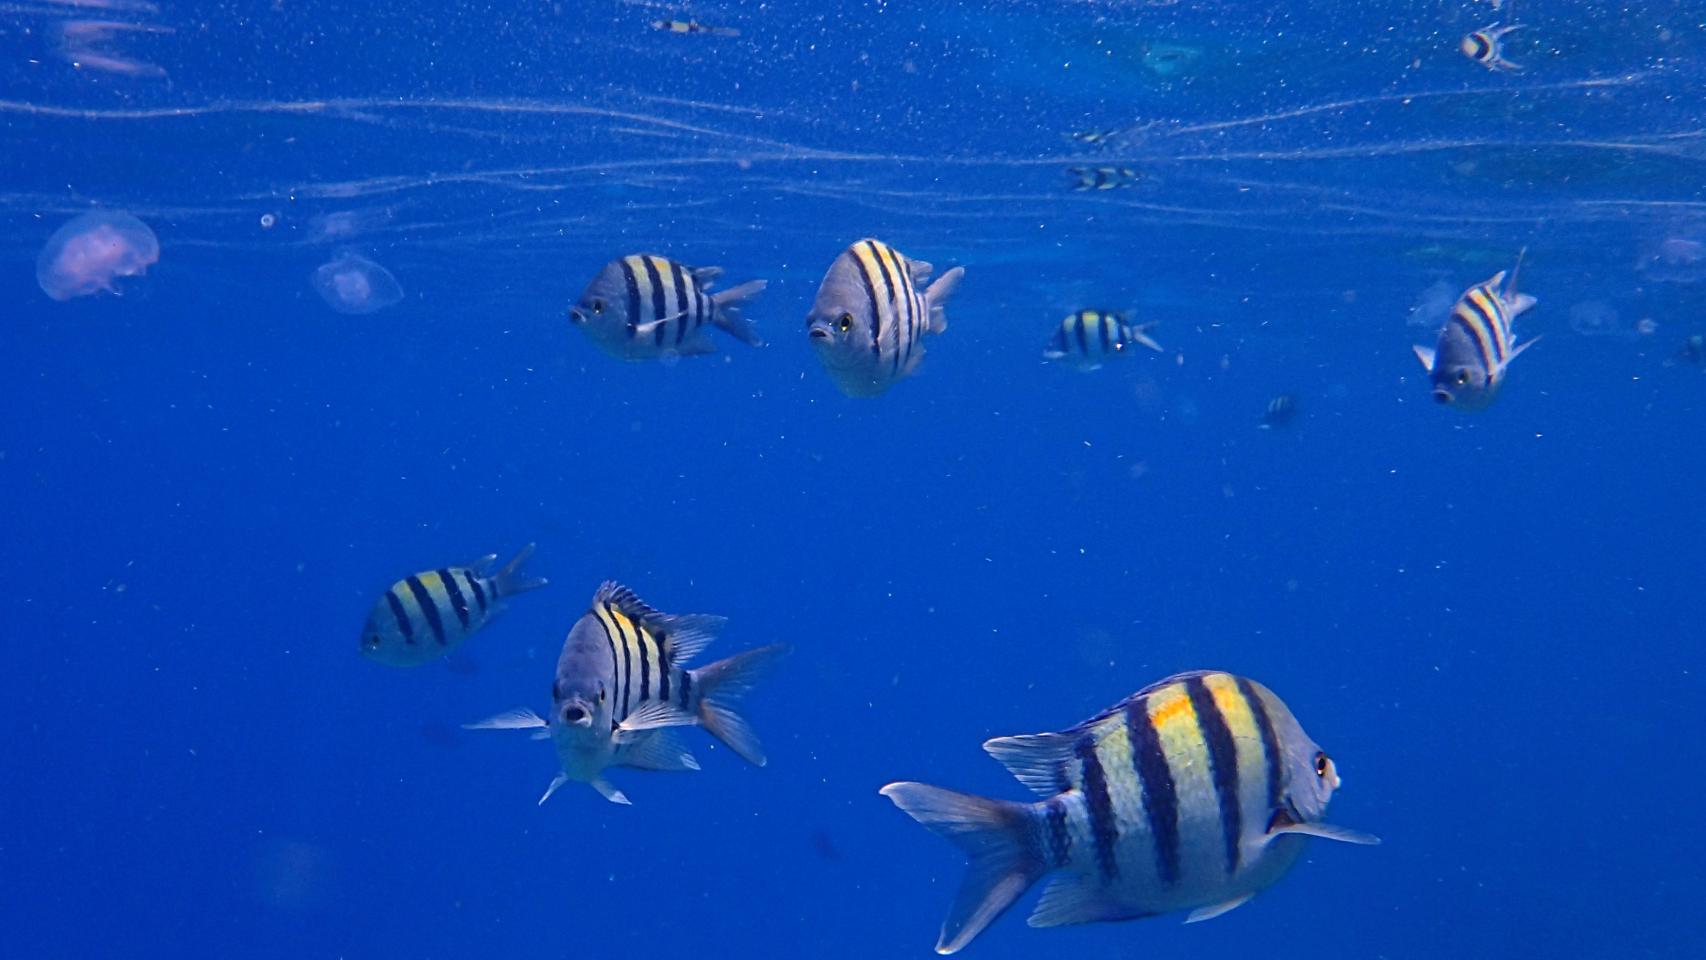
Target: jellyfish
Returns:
[[351, 283], [90, 252]]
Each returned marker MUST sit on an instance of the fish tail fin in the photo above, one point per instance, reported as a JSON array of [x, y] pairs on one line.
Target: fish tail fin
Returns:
[[722, 683], [998, 837], [509, 580], [727, 311], [1516, 302], [936, 297]]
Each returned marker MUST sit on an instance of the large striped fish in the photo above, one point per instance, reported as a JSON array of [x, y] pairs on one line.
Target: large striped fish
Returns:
[[645, 307], [1088, 337], [622, 684], [870, 317], [1476, 343], [1194, 793], [425, 616]]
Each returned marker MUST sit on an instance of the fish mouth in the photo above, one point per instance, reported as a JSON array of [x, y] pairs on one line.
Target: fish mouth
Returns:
[[577, 713], [576, 316], [1442, 396], [819, 333]]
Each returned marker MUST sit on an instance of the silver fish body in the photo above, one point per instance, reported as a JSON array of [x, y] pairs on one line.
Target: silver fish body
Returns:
[[1087, 338], [647, 307], [870, 317], [1195, 793], [622, 684], [425, 616], [1476, 344]]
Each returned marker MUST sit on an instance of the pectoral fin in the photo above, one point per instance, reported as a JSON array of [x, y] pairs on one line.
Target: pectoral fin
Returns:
[[1426, 355], [1216, 909], [608, 792], [655, 714], [520, 718], [1326, 831]]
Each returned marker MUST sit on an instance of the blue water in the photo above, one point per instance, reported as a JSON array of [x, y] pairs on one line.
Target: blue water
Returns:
[[1491, 621]]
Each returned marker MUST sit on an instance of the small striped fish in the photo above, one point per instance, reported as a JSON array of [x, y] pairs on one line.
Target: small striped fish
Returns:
[[870, 317], [693, 26], [1486, 47], [622, 683], [1088, 337], [645, 307], [424, 617], [1094, 137], [1280, 411], [1102, 178], [1476, 343], [1195, 793]]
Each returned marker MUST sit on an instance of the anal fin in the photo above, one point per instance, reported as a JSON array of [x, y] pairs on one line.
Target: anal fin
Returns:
[[1079, 898]]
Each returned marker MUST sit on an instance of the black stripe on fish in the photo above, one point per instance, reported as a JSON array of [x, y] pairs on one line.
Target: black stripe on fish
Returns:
[[643, 640], [633, 296], [611, 642], [686, 688], [401, 615], [912, 304], [1223, 764], [1270, 741], [1078, 330], [1059, 837], [626, 677], [681, 284], [876, 314], [1475, 327], [474, 587], [1160, 795], [1103, 828], [884, 254], [424, 598], [458, 602], [660, 300], [1483, 46], [663, 668]]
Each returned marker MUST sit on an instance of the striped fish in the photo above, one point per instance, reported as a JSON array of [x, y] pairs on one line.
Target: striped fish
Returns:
[[1088, 337], [424, 617], [870, 317], [1095, 138], [1476, 343], [1195, 793], [693, 26], [1486, 47], [645, 307], [1102, 178], [622, 683]]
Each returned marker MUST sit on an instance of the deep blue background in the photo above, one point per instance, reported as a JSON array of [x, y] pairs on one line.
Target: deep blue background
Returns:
[[1491, 621]]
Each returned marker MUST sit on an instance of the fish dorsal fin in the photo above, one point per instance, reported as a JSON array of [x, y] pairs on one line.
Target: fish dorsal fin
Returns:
[[1426, 355], [921, 270], [1037, 759], [625, 600], [684, 636], [705, 275]]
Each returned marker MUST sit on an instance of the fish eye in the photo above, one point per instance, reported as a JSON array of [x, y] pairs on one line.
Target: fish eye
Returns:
[[600, 694], [597, 305], [1462, 377], [1321, 764], [845, 323], [373, 642]]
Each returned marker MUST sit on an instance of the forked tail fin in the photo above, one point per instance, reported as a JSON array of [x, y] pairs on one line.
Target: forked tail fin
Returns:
[[719, 685], [509, 581], [995, 834], [727, 305]]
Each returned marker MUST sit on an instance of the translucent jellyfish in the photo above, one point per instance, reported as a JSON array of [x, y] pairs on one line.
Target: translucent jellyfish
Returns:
[[89, 253], [355, 284]]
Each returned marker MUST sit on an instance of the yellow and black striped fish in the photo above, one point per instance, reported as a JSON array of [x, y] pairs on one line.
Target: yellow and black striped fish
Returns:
[[1476, 343], [1195, 793], [425, 616], [868, 322], [1088, 337], [646, 307], [693, 26], [1102, 178], [622, 683], [1486, 47]]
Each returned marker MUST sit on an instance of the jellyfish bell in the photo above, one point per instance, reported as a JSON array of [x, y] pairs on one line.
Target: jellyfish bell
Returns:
[[353, 284], [91, 252]]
